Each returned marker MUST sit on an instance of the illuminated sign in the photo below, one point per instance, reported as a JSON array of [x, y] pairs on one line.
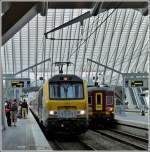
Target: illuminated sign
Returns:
[[17, 84], [136, 83]]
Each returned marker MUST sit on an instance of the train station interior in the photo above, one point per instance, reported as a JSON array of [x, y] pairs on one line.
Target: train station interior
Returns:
[[74, 75]]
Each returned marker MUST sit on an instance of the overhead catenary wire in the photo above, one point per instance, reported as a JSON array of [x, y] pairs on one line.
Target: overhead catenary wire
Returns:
[[89, 31], [93, 32], [79, 61]]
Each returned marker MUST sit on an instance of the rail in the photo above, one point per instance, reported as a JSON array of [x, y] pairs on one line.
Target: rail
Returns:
[[63, 145], [129, 139]]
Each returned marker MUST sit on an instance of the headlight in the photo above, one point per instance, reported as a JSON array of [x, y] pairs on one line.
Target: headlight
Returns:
[[82, 112], [110, 109], [51, 112]]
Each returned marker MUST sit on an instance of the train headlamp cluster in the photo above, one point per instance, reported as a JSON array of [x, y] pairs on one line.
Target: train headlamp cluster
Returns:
[[51, 112], [110, 109], [82, 112]]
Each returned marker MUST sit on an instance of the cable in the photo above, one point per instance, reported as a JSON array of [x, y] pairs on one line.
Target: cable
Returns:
[[93, 32]]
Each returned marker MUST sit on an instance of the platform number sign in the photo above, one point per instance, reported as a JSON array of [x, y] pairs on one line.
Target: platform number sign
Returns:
[[136, 82], [17, 84]]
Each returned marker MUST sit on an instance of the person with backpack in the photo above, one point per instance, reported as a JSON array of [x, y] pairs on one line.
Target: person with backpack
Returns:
[[24, 107], [14, 111]]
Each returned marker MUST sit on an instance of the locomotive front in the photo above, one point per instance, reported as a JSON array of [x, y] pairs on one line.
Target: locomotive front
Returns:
[[66, 104]]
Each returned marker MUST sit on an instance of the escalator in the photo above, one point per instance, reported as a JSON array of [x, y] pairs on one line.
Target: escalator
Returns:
[[133, 98], [142, 99]]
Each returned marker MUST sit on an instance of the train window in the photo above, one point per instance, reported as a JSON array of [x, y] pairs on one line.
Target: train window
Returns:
[[90, 100], [40, 96], [66, 90], [99, 99], [109, 100]]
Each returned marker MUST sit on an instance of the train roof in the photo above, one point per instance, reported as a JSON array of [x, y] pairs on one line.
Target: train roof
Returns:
[[70, 77], [97, 88]]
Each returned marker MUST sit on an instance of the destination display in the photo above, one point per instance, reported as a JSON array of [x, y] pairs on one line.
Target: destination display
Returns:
[[17, 84], [136, 82], [20, 83]]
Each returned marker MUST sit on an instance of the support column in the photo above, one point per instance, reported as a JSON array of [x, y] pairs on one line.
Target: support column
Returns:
[[2, 108]]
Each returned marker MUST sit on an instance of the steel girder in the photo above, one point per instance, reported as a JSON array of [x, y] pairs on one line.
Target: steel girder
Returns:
[[28, 48], [85, 48], [124, 48], [54, 18], [117, 46], [44, 45], [77, 50], [20, 51], [36, 50], [141, 46], [134, 42], [93, 46], [16, 17], [101, 45]]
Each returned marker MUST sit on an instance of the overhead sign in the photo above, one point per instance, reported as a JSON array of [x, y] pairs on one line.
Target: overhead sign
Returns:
[[136, 82], [17, 84], [20, 83]]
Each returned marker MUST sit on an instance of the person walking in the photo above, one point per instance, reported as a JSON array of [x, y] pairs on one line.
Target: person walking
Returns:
[[24, 107], [14, 111], [8, 112]]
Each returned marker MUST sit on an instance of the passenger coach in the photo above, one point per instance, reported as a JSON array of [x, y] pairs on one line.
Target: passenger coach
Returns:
[[101, 103]]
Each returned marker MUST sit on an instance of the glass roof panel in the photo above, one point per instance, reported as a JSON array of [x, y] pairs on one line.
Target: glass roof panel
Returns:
[[115, 38]]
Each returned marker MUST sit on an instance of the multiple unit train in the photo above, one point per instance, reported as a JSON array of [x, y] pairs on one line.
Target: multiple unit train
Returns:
[[61, 104], [66, 104], [101, 104]]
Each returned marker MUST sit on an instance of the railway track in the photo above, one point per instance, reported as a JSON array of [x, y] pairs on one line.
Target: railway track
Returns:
[[76, 144], [126, 138]]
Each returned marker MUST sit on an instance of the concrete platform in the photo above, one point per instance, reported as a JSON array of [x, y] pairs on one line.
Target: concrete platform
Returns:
[[25, 136], [133, 118]]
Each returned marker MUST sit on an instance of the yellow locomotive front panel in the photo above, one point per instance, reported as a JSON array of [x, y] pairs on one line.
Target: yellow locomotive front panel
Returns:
[[66, 104]]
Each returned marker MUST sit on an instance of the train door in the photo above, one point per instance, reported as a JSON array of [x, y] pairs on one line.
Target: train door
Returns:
[[98, 103]]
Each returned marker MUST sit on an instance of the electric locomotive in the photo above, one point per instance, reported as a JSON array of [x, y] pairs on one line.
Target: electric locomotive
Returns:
[[101, 103], [61, 104]]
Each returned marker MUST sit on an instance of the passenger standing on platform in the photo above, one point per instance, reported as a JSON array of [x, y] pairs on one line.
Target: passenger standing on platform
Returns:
[[20, 110], [8, 112], [24, 107], [14, 110]]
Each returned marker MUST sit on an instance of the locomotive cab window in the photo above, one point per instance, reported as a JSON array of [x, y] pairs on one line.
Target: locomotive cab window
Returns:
[[109, 100], [90, 100], [68, 90], [99, 99]]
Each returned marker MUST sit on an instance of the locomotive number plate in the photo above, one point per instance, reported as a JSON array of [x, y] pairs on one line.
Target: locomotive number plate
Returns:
[[67, 114]]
